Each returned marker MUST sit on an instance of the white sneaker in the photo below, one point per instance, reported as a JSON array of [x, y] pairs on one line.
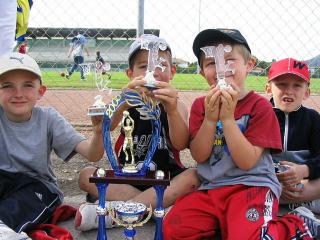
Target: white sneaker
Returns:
[[7, 233], [87, 218], [308, 217]]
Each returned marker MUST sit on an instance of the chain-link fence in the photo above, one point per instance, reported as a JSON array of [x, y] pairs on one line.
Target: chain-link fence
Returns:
[[274, 29]]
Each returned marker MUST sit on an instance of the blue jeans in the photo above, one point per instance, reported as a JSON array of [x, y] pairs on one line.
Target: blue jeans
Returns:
[[76, 61]]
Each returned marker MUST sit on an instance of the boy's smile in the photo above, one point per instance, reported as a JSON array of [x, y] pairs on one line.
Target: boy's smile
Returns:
[[19, 92]]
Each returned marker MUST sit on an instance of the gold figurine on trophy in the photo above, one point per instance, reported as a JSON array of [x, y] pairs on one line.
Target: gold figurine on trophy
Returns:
[[127, 125]]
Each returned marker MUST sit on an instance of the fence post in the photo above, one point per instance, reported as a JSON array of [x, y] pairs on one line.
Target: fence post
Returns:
[[140, 28]]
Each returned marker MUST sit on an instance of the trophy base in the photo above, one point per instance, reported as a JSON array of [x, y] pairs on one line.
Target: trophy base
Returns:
[[96, 111], [130, 169]]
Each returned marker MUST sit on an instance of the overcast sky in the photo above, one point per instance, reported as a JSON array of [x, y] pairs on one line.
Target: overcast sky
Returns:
[[274, 29]]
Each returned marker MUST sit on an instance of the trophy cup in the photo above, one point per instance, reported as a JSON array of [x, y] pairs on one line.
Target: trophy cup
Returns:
[[129, 173], [130, 215], [154, 61], [99, 107], [221, 68]]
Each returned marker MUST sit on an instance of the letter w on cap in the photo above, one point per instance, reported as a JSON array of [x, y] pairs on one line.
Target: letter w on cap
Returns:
[[298, 64]]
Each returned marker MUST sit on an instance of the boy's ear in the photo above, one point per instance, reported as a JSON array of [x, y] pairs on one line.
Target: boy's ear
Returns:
[[129, 73], [202, 73], [307, 93], [250, 64], [173, 70], [42, 90], [268, 89]]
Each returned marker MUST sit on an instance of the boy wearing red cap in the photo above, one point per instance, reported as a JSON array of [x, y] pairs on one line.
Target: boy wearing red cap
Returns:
[[232, 131], [288, 85]]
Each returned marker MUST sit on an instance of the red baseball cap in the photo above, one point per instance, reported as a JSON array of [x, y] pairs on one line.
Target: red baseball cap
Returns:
[[289, 66]]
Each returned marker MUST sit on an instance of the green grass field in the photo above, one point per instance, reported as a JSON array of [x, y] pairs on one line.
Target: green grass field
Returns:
[[52, 79]]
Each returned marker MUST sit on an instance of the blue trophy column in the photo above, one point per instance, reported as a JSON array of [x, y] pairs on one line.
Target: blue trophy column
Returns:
[[159, 211], [102, 211]]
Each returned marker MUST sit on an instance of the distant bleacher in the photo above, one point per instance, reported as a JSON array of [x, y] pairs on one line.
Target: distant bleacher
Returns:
[[50, 46]]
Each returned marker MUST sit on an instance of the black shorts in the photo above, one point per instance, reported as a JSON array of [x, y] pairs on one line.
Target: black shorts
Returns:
[[25, 201]]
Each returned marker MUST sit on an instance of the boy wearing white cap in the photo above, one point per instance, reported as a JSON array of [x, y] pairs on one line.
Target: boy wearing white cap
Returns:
[[174, 137], [29, 192], [288, 85]]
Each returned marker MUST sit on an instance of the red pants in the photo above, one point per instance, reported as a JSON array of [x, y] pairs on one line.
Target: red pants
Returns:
[[231, 212]]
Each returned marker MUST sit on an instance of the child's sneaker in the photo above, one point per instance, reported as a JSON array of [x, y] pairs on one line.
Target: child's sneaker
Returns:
[[87, 218], [67, 76], [314, 205], [308, 217], [7, 233]]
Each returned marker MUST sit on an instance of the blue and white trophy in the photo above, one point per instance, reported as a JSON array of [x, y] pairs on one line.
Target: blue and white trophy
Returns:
[[129, 173]]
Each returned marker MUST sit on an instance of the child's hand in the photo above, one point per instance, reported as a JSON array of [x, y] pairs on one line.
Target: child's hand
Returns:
[[293, 175], [167, 95], [138, 83], [290, 193], [97, 124], [212, 105], [229, 99]]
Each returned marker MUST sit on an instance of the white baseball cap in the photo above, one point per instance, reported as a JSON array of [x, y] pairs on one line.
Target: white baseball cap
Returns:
[[18, 61]]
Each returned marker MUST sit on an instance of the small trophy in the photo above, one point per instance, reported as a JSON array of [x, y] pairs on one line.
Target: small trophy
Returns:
[[130, 215], [99, 107], [221, 68], [154, 61], [127, 125]]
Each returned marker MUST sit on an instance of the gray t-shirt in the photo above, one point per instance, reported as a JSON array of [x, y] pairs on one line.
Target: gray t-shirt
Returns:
[[26, 147], [258, 123]]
